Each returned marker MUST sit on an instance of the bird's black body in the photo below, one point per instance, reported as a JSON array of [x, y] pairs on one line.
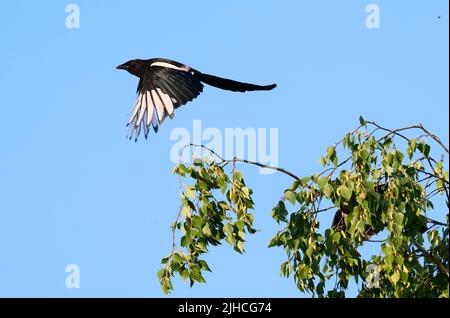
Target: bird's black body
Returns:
[[165, 85]]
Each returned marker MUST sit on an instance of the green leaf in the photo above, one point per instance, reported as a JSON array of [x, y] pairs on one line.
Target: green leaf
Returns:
[[197, 221], [184, 274], [177, 258], [206, 230], [290, 196], [237, 175], [363, 154], [164, 260], [181, 169], [204, 265], [196, 276], [398, 217], [395, 277], [190, 192], [328, 190], [228, 229], [185, 241], [198, 162], [295, 185], [310, 251], [346, 193], [161, 273], [166, 285], [322, 182], [331, 152], [336, 237], [188, 203], [186, 211], [412, 145], [305, 180], [275, 241], [440, 185], [239, 247], [279, 212], [424, 148], [322, 161], [335, 161], [362, 121]]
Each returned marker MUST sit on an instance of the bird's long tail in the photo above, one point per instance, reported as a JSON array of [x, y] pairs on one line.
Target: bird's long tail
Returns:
[[231, 85]]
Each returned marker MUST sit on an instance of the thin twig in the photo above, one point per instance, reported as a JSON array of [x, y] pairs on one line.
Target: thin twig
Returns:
[[435, 138], [376, 241], [325, 209]]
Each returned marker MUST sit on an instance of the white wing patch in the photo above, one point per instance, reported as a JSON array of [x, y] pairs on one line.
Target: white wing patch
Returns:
[[149, 108], [143, 108], [168, 65], [135, 109], [155, 120], [167, 101], [158, 104]]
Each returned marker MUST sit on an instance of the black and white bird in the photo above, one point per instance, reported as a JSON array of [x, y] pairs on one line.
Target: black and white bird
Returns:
[[165, 85]]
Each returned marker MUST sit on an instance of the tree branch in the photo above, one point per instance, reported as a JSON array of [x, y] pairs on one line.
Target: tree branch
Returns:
[[419, 126], [234, 160], [436, 222], [255, 163], [433, 258], [435, 138]]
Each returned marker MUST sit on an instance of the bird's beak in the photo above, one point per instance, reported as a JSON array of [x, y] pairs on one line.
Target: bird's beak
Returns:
[[121, 67]]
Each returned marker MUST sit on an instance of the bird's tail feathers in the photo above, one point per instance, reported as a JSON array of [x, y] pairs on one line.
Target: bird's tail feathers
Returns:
[[231, 85]]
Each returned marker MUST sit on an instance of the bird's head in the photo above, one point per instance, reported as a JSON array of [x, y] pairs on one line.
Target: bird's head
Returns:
[[135, 67]]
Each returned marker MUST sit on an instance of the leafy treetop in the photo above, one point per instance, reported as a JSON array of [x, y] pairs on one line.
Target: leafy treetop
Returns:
[[377, 190]]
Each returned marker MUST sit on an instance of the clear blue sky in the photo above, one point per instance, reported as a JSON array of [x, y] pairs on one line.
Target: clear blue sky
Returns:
[[74, 190]]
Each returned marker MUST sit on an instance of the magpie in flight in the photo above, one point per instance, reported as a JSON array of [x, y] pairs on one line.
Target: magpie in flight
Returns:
[[165, 85]]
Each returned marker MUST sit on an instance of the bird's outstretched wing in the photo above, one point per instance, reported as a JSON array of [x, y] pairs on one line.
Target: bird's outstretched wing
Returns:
[[160, 92]]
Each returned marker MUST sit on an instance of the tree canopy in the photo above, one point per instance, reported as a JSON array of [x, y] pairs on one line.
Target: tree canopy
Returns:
[[387, 190]]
